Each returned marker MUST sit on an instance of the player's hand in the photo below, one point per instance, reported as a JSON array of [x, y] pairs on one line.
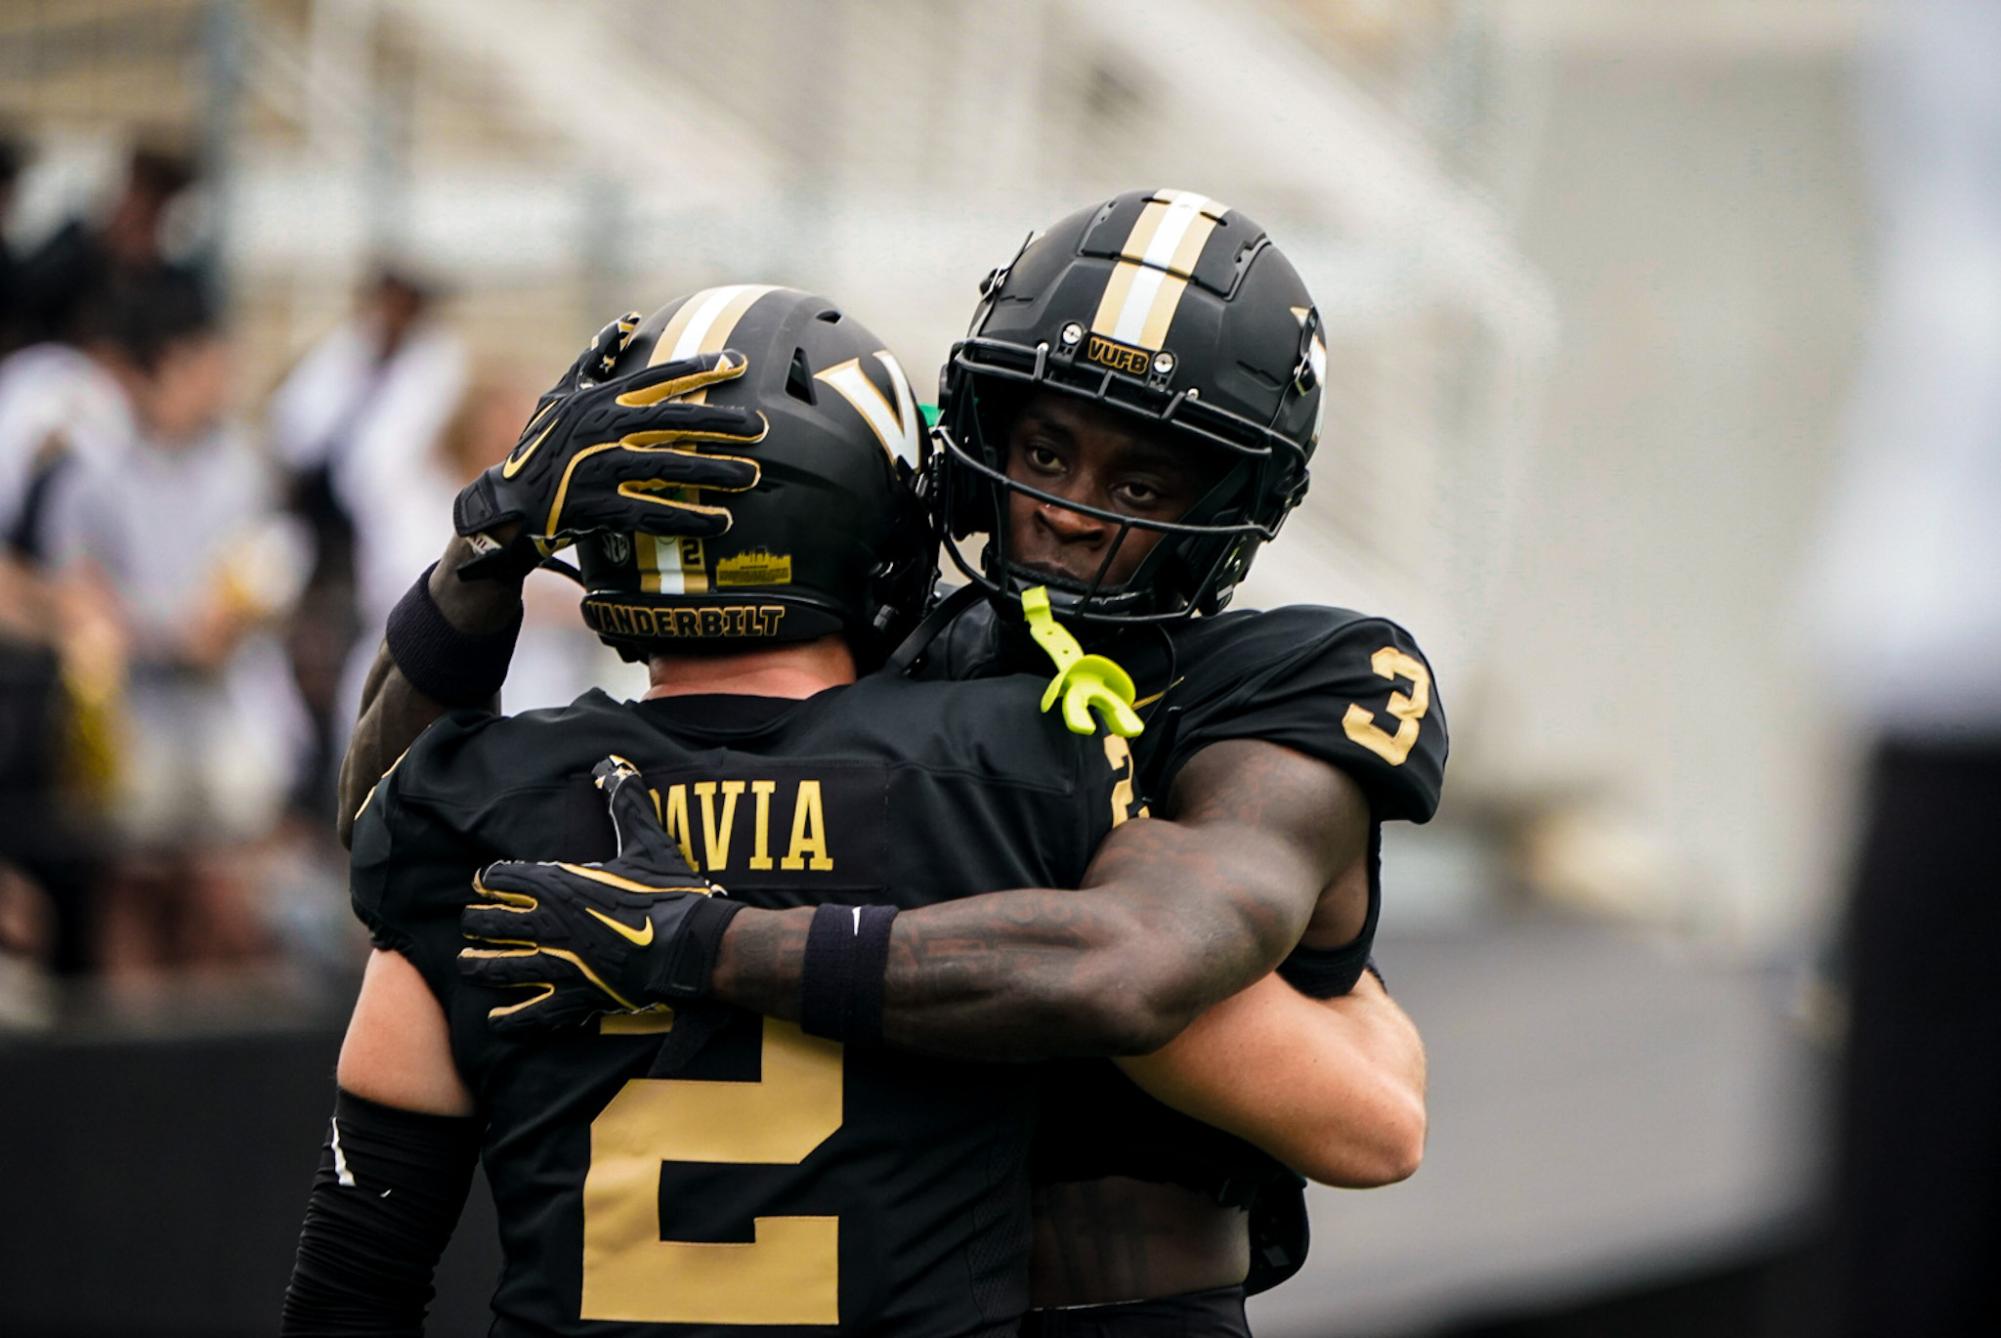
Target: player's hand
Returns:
[[631, 933], [611, 455]]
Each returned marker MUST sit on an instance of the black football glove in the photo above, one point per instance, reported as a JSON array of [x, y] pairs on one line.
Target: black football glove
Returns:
[[611, 455], [626, 935]]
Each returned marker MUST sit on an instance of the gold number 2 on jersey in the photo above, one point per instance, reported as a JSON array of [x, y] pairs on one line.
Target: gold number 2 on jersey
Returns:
[[790, 1272], [1360, 724]]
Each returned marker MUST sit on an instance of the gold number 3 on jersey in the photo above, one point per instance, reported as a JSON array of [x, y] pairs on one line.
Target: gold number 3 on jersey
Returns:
[[1360, 723]]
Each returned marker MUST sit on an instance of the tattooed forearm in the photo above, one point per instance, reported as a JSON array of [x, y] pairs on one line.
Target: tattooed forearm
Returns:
[[393, 713], [1019, 975], [1172, 917], [760, 960], [1118, 967], [1013, 975], [954, 984]]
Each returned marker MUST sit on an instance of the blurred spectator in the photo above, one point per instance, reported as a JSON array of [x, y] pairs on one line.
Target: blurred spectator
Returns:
[[61, 402], [58, 282], [29, 842], [61, 653], [362, 408], [174, 530], [61, 673], [366, 400], [556, 659], [10, 173], [1909, 616]]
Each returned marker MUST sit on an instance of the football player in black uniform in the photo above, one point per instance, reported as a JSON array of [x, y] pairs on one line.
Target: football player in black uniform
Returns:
[[1129, 420], [1130, 417], [575, 1129], [863, 1191]]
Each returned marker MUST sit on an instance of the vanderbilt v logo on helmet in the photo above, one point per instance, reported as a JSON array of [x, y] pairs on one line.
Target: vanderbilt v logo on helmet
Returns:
[[830, 540], [1175, 309]]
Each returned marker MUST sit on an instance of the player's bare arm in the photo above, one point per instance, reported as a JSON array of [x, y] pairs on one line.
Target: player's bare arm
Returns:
[[1334, 1088], [398, 1045]]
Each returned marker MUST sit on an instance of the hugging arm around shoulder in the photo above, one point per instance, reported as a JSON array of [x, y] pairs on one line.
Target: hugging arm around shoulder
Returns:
[[1172, 917]]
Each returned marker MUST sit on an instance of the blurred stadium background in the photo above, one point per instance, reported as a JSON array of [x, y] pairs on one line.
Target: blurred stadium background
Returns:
[[1598, 280]]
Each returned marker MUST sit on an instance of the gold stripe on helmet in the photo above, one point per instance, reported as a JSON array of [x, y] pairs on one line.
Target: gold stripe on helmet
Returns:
[[1114, 299], [646, 558], [1172, 229], [1153, 328], [1155, 263], [702, 324], [671, 565]]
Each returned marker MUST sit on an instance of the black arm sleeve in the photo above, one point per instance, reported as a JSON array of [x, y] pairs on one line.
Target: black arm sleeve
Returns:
[[389, 1190]]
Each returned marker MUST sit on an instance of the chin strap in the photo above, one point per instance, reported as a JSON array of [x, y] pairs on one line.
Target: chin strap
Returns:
[[906, 655], [1086, 683], [562, 568]]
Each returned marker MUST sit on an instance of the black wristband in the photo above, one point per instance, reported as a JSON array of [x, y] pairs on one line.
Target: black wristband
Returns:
[[447, 665], [685, 968], [841, 982], [826, 979], [871, 974]]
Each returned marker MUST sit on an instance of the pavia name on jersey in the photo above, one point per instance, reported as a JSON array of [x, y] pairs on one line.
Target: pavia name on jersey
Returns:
[[710, 844]]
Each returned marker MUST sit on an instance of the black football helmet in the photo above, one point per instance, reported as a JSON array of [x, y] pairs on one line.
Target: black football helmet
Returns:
[[832, 537], [1179, 311]]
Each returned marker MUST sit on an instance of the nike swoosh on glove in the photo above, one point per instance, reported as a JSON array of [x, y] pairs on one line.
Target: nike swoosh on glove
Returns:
[[626, 935]]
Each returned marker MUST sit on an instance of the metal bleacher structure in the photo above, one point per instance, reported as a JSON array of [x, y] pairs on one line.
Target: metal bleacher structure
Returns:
[[550, 164]]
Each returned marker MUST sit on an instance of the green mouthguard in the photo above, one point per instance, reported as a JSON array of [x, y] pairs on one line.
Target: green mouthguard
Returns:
[[1086, 683]]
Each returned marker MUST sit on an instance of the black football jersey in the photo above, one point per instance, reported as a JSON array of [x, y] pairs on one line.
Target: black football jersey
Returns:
[[1347, 688], [1350, 689], [716, 1172]]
